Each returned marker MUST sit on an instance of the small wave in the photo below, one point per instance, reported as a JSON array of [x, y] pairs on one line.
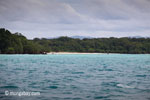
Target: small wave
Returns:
[[140, 75], [67, 92], [77, 72], [53, 87], [124, 86], [101, 97], [2, 65], [109, 70], [9, 87]]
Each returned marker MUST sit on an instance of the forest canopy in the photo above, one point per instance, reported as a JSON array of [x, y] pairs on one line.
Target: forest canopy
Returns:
[[16, 43]]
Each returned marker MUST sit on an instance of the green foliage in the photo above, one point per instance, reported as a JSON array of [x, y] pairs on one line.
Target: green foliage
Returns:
[[10, 50], [18, 44], [102, 45]]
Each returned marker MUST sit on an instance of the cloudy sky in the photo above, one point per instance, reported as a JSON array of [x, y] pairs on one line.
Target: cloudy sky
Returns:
[[95, 18]]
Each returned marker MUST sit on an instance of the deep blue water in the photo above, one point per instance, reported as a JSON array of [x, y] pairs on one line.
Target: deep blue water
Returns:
[[76, 77]]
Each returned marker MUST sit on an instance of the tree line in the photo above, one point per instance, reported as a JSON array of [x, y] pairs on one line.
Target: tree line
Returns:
[[19, 44]]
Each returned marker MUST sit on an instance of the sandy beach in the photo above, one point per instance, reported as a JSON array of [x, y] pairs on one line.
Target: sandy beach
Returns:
[[73, 53]]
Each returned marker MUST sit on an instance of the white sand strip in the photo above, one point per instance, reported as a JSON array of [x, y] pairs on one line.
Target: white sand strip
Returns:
[[72, 53]]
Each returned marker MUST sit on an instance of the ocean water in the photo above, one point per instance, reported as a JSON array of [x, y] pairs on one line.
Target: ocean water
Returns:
[[76, 77]]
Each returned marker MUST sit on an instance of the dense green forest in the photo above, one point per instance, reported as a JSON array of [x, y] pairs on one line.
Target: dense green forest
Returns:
[[18, 44]]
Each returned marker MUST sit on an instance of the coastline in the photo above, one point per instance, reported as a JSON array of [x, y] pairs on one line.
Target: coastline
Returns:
[[74, 53], [53, 53]]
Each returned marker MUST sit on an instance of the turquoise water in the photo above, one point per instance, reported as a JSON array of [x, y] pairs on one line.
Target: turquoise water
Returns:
[[76, 77]]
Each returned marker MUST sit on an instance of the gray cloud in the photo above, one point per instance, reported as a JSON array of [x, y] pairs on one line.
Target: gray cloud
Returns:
[[99, 18]]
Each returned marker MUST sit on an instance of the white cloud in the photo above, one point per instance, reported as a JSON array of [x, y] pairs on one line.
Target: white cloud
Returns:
[[46, 18]]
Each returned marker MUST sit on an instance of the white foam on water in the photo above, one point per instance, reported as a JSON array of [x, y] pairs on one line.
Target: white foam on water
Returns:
[[124, 86]]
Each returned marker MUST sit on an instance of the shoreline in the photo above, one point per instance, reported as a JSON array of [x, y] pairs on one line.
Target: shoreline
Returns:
[[53, 53], [77, 53]]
